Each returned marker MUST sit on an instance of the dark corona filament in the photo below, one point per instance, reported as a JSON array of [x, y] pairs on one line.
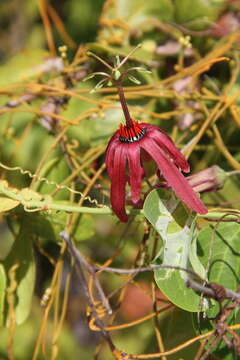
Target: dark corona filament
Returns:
[[132, 133]]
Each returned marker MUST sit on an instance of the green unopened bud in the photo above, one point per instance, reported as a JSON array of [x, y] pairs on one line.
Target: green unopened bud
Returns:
[[116, 74], [89, 77], [117, 60], [210, 179], [142, 69], [98, 86], [134, 80]]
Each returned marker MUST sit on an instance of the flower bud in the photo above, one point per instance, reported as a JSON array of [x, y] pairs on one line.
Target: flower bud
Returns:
[[210, 179]]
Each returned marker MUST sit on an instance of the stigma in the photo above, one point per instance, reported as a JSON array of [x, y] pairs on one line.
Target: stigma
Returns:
[[130, 134]]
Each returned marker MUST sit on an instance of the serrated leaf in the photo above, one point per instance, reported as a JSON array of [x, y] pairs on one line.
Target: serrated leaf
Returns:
[[7, 204], [173, 223], [22, 254]]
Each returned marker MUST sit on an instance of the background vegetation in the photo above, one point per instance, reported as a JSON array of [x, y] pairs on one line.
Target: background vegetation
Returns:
[[54, 187]]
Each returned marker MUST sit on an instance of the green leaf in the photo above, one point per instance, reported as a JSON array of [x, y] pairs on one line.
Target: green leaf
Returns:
[[85, 228], [7, 204], [219, 250], [173, 223], [3, 282], [56, 172], [173, 322], [76, 107], [98, 128], [220, 350], [141, 18], [35, 144], [39, 226], [229, 193], [45, 171], [136, 11], [202, 12], [193, 258], [22, 254], [23, 66]]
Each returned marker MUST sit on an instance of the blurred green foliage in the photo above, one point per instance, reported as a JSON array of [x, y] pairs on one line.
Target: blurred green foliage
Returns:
[[54, 135]]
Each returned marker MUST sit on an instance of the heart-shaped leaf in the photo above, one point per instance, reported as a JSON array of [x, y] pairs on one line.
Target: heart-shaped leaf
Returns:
[[175, 226]]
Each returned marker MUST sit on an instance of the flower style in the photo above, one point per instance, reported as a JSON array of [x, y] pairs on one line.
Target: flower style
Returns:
[[125, 154]]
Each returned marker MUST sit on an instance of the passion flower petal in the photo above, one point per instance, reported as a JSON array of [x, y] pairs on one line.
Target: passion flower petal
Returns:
[[118, 184], [129, 148], [136, 171], [166, 143], [109, 158], [173, 177]]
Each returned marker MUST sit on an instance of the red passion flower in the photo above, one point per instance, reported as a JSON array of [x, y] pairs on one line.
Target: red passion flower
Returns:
[[124, 159]]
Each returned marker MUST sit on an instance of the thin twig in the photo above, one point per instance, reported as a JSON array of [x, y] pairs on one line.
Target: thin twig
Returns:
[[79, 262], [205, 290]]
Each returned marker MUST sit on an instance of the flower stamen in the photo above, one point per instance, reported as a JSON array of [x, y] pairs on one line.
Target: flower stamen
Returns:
[[130, 134]]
